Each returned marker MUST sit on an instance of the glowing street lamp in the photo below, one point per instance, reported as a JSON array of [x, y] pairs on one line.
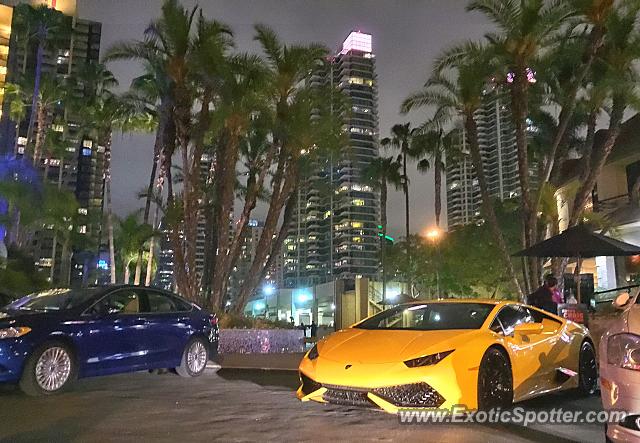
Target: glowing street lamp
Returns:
[[434, 235]]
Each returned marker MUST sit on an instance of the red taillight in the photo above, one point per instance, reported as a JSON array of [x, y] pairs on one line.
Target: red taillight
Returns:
[[213, 320]]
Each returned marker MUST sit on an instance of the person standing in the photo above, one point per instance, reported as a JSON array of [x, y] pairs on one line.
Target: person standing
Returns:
[[543, 297]]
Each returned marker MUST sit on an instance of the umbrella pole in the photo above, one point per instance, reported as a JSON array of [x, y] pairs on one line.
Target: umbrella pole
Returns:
[[578, 280]]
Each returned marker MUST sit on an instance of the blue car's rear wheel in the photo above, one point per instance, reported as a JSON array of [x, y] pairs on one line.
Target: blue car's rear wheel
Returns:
[[50, 369], [194, 358]]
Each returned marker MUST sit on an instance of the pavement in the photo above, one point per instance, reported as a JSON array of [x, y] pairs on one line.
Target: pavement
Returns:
[[241, 406]]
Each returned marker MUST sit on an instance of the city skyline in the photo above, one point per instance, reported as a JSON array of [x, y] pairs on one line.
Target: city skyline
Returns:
[[400, 39]]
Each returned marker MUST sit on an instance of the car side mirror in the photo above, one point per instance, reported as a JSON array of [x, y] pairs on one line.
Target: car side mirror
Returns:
[[621, 300], [529, 328]]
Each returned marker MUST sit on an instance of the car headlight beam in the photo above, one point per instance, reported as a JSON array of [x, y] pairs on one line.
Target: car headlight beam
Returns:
[[14, 332], [427, 360], [623, 351]]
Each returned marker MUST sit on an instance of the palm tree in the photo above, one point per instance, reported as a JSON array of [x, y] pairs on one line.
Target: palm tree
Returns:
[[17, 96], [43, 25], [614, 88], [51, 101], [432, 147], [379, 173], [60, 208], [400, 140], [459, 95], [131, 235], [298, 137]]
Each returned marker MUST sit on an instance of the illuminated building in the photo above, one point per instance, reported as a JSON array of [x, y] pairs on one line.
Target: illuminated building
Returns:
[[82, 167], [496, 137], [334, 231]]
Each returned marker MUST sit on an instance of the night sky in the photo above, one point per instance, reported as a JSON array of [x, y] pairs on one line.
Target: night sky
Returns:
[[407, 35]]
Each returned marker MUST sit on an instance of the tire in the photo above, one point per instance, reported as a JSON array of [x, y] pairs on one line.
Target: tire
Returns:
[[495, 380], [49, 370], [587, 370], [194, 358]]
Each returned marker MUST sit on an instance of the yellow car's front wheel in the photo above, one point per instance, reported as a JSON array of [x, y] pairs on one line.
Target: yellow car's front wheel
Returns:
[[495, 380]]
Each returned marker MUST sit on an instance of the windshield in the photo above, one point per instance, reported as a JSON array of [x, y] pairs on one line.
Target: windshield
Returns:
[[53, 300], [430, 317]]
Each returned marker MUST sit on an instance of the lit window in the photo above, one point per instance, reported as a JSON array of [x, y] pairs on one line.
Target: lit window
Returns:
[[87, 143], [356, 80], [358, 202], [86, 152], [357, 239], [22, 141], [83, 211], [327, 214], [58, 128], [82, 229], [356, 224]]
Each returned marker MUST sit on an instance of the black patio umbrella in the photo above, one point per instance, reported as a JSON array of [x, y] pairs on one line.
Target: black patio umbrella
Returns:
[[579, 242]]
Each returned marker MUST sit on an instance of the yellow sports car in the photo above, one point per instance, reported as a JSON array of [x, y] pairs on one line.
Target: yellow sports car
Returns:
[[437, 354]]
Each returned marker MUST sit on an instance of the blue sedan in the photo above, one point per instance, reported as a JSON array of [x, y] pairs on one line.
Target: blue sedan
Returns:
[[51, 338]]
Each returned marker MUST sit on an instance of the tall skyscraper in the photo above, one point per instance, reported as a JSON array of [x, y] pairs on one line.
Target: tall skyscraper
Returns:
[[81, 169], [334, 231], [496, 136]]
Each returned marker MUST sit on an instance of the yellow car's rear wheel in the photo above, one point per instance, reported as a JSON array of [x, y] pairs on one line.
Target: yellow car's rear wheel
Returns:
[[495, 380]]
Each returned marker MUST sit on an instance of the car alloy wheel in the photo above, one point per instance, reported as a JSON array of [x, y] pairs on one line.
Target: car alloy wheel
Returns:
[[53, 369], [196, 357], [495, 381], [588, 372]]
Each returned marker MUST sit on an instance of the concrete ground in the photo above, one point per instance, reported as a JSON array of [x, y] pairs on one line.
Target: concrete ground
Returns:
[[239, 406]]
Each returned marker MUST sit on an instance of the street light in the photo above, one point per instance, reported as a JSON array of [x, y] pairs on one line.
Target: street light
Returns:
[[434, 235]]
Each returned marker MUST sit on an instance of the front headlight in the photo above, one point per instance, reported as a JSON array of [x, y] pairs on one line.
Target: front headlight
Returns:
[[313, 353], [14, 332], [427, 360], [623, 350]]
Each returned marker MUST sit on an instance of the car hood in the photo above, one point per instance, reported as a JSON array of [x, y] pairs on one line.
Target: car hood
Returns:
[[386, 346], [13, 317]]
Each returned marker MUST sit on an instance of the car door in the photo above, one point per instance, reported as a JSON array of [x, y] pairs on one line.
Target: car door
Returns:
[[530, 360], [116, 339], [168, 327]]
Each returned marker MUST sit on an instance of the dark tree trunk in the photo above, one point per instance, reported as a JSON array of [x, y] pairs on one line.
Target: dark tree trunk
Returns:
[[437, 169], [36, 86], [487, 207]]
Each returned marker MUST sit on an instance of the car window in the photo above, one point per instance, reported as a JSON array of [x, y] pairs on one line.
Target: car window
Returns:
[[430, 316], [122, 301], [548, 322], [509, 317], [54, 300], [159, 302]]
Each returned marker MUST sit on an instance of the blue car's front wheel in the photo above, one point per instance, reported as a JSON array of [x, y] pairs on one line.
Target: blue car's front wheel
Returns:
[[50, 369]]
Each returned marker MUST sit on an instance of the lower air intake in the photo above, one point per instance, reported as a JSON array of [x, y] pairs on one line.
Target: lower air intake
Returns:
[[416, 395]]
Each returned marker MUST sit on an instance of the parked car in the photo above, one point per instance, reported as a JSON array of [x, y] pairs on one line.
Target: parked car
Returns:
[[51, 338], [620, 368], [436, 354]]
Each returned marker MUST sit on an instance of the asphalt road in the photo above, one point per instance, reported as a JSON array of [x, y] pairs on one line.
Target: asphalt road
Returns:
[[239, 406]]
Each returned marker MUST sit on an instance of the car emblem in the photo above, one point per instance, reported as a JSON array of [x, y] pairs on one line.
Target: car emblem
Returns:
[[347, 366]]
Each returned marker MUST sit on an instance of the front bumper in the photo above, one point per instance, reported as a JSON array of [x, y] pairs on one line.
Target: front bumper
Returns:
[[13, 353], [620, 390], [388, 386], [389, 398]]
